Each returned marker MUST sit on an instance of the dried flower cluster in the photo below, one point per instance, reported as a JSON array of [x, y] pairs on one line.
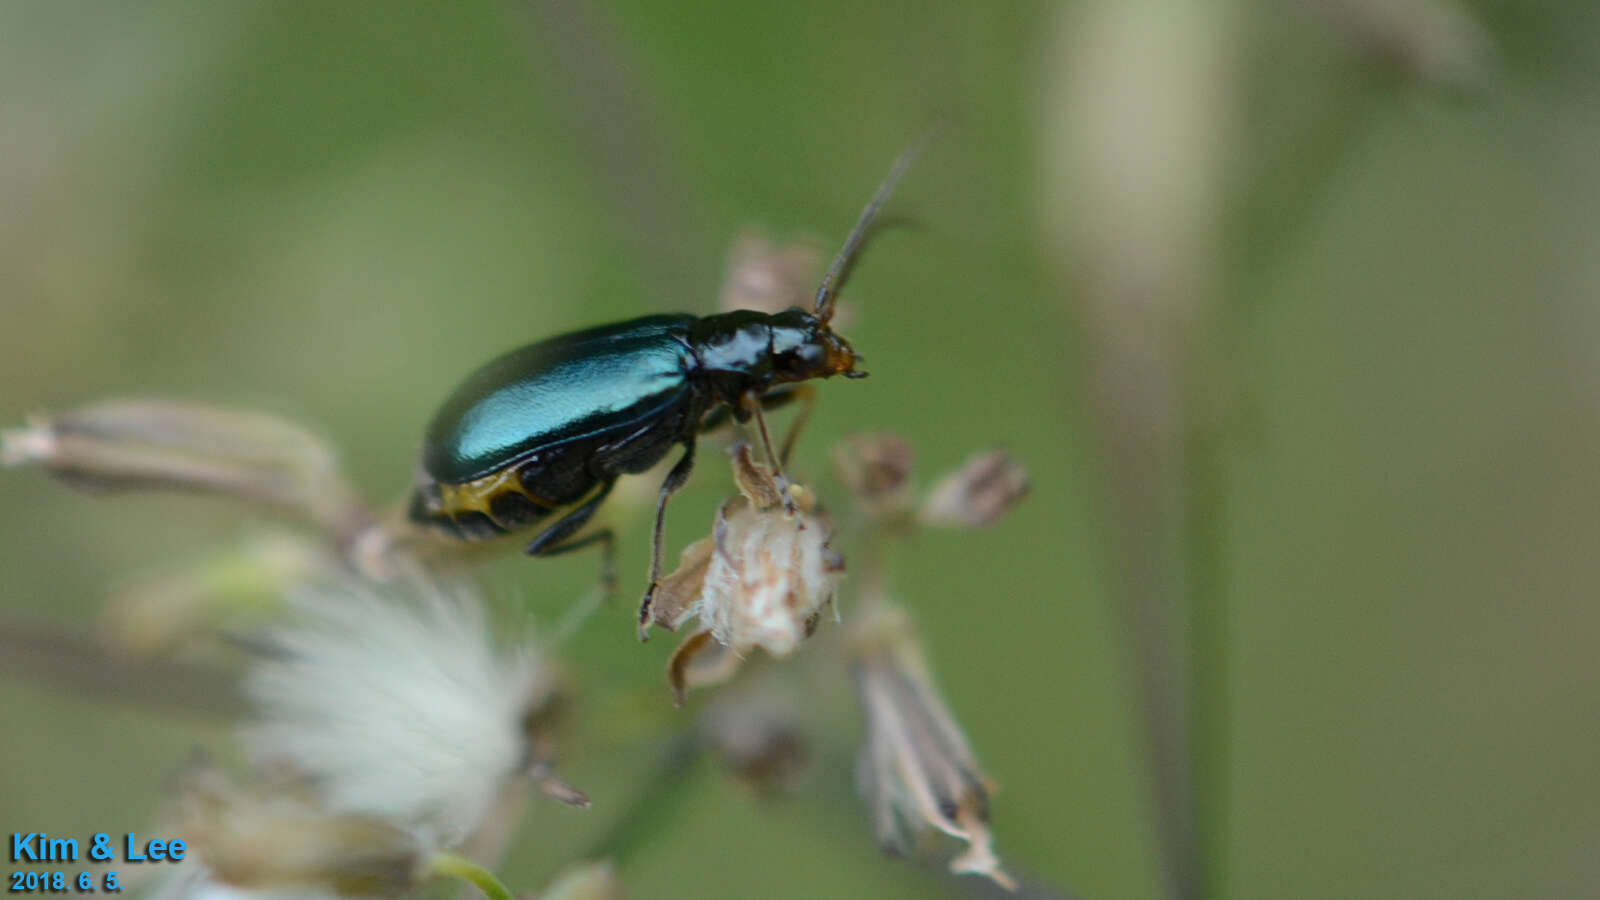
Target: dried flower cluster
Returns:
[[917, 770], [763, 579], [877, 470], [278, 837], [387, 727]]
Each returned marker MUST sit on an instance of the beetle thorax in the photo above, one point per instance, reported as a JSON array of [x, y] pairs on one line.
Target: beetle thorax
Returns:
[[747, 351]]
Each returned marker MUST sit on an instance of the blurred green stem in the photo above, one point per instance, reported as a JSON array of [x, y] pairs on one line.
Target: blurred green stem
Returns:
[[85, 666], [652, 807], [1264, 239], [449, 865], [1210, 652], [594, 80]]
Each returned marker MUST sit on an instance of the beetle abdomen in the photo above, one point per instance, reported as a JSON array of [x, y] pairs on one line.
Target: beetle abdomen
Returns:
[[539, 430], [558, 392], [550, 479]]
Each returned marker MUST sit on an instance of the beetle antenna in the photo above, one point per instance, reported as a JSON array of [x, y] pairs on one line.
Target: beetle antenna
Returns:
[[839, 272]]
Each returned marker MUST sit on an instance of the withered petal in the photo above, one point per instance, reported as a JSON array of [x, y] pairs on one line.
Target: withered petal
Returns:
[[676, 595], [557, 788], [755, 481], [684, 671]]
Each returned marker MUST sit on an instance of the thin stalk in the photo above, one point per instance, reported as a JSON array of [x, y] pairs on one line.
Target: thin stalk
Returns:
[[450, 865], [1210, 654], [603, 95], [87, 667], [650, 807]]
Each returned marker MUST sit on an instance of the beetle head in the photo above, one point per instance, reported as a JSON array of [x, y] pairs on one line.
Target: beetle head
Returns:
[[804, 347]]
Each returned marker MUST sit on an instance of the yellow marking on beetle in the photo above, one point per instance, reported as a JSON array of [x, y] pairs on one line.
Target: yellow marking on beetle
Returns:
[[477, 495], [634, 496]]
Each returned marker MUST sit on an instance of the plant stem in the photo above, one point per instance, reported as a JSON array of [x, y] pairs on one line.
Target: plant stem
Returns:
[[1210, 653], [59, 658], [651, 806], [451, 865]]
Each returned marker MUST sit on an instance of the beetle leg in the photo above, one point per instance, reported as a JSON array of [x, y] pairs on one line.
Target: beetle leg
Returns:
[[807, 395], [717, 418], [773, 459], [607, 539], [554, 541], [675, 479], [776, 398]]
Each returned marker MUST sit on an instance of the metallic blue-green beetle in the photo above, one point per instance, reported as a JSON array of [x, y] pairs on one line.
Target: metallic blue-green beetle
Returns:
[[540, 435]]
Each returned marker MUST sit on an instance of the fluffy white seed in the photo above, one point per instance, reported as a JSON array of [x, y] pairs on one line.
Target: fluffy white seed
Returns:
[[395, 703]]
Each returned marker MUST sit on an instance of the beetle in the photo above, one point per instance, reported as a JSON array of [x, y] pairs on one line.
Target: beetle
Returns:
[[540, 435]]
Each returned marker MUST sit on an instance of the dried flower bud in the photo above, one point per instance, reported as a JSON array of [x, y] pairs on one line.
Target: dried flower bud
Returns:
[[173, 446], [586, 881], [768, 278], [978, 494], [157, 616], [762, 579], [917, 769], [756, 735], [263, 839], [877, 470], [1439, 41]]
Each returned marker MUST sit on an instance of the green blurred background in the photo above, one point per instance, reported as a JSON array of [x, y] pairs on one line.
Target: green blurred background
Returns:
[[333, 211]]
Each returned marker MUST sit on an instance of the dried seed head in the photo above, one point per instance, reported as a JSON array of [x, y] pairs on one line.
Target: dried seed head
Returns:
[[768, 278], [763, 579], [917, 770], [756, 734], [395, 702], [1439, 41], [985, 488], [157, 616], [263, 839], [157, 445], [769, 579], [877, 470], [586, 881]]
